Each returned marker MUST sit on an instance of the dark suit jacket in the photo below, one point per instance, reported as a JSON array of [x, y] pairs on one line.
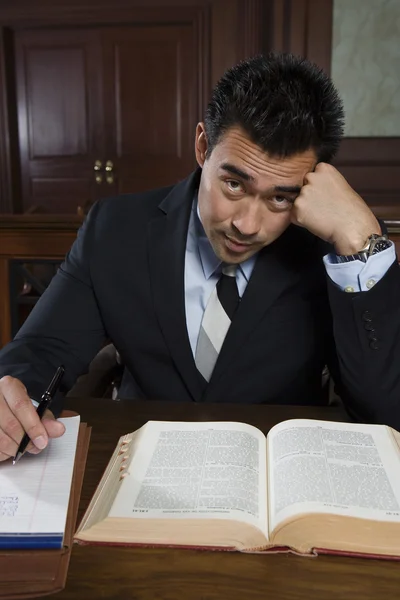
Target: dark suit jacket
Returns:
[[124, 279]]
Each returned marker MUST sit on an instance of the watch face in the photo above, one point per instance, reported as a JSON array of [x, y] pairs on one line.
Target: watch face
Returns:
[[381, 245]]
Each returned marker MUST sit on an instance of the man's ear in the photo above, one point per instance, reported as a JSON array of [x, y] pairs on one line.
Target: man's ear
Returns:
[[201, 144]]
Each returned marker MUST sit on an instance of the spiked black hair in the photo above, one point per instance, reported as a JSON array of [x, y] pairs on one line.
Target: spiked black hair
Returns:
[[284, 103]]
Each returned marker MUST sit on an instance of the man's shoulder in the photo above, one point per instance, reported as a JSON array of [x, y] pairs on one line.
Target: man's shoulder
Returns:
[[124, 205], [114, 219], [123, 215]]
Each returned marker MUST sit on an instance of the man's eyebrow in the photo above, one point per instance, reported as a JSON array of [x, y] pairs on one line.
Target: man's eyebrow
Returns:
[[236, 171], [289, 189]]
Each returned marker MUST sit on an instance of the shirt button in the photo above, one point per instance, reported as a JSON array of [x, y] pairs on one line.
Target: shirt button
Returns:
[[367, 316], [374, 345], [370, 283], [349, 289]]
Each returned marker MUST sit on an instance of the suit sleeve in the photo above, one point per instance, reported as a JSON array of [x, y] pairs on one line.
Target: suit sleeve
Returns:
[[64, 328], [366, 366]]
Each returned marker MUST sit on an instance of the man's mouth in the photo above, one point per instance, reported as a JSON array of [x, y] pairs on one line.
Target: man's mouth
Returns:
[[237, 246]]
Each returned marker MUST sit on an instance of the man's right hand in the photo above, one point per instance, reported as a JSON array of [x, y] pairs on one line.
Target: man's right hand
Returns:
[[18, 415]]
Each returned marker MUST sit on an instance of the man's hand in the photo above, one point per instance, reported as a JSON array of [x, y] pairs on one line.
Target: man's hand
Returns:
[[329, 208], [18, 415]]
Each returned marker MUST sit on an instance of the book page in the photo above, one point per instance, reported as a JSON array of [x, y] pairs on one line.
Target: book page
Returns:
[[196, 470], [339, 468], [34, 493]]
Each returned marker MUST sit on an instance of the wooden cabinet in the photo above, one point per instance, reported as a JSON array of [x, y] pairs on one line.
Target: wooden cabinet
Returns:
[[104, 110], [35, 243]]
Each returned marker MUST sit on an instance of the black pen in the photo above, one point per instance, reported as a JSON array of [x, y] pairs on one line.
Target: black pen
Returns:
[[43, 404]]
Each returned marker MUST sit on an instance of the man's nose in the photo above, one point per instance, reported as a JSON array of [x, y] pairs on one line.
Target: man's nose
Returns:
[[248, 222]]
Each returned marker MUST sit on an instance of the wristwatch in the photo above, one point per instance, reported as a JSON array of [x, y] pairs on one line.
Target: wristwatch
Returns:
[[374, 244]]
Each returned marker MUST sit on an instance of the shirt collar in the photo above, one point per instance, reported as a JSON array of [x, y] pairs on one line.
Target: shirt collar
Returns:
[[209, 261]]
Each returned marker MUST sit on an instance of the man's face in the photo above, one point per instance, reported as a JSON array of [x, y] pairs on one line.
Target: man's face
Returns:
[[245, 195]]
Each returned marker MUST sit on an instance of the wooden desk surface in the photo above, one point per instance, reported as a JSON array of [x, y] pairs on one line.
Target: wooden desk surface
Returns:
[[168, 574]]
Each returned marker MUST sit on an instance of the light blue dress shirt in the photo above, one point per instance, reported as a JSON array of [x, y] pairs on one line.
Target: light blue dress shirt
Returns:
[[359, 276], [202, 271]]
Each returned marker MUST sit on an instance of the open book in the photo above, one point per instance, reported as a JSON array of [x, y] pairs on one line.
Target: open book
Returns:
[[309, 486]]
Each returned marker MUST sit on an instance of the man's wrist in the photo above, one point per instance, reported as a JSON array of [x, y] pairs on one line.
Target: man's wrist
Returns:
[[347, 246], [375, 244]]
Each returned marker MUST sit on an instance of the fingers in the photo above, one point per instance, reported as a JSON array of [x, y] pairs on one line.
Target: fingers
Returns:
[[11, 430], [18, 415], [54, 428]]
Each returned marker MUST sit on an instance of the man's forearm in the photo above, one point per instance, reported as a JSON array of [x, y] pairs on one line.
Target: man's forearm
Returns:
[[366, 328]]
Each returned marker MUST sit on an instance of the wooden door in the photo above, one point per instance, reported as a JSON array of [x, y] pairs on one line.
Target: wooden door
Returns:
[[151, 107], [123, 99], [60, 116], [123, 83]]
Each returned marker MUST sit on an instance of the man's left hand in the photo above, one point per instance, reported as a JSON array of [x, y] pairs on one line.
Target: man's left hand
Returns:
[[329, 208]]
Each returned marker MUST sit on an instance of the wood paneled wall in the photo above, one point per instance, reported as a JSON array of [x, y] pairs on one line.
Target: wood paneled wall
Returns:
[[222, 32]]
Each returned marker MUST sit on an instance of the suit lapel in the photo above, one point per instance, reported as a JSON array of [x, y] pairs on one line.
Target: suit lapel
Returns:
[[167, 235], [274, 271]]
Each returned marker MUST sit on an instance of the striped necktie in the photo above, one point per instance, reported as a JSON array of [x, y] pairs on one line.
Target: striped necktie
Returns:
[[217, 318]]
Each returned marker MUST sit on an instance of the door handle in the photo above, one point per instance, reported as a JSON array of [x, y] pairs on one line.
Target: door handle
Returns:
[[110, 172], [98, 165]]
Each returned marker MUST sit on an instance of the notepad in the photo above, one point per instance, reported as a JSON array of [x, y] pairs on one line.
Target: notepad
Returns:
[[34, 493]]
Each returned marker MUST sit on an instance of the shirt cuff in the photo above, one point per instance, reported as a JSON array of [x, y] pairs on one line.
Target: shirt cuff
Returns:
[[359, 276]]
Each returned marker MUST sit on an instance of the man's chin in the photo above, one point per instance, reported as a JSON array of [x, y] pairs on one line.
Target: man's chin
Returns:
[[233, 258]]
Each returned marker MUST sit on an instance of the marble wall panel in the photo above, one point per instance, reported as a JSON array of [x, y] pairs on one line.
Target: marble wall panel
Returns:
[[366, 65]]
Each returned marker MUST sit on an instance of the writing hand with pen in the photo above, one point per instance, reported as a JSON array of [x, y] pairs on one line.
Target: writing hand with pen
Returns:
[[22, 426]]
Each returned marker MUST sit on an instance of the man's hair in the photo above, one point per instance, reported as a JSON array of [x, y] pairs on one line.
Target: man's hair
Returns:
[[284, 103]]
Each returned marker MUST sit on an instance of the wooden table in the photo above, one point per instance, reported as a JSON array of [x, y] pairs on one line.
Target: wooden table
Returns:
[[168, 574]]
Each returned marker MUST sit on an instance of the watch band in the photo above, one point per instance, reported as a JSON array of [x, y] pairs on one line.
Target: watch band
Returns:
[[374, 244]]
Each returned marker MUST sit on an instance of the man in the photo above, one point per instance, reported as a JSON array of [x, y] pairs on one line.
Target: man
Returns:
[[299, 259]]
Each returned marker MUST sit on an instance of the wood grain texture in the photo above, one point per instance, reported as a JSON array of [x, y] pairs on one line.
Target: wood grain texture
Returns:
[[5, 153], [5, 319], [30, 237], [37, 236], [171, 574], [59, 117], [151, 95], [223, 32]]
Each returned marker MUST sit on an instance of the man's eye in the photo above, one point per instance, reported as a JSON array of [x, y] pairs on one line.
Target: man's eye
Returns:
[[233, 185], [282, 201]]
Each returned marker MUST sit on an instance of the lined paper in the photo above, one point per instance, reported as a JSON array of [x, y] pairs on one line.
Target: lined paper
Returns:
[[34, 493]]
